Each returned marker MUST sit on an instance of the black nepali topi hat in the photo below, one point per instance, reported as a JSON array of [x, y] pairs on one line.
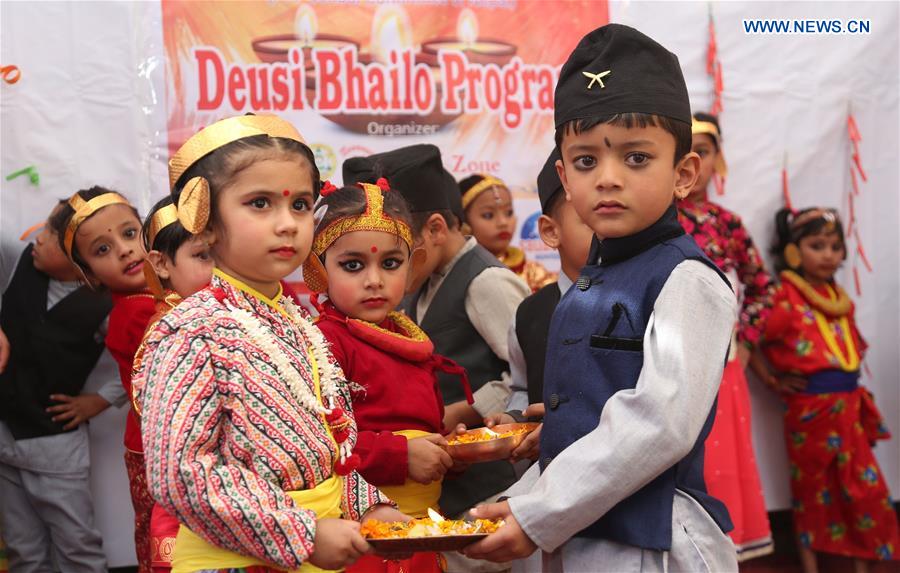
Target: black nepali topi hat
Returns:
[[548, 183], [616, 69], [415, 171]]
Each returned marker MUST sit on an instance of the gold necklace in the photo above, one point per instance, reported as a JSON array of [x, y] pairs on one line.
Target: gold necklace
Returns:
[[834, 307], [850, 362]]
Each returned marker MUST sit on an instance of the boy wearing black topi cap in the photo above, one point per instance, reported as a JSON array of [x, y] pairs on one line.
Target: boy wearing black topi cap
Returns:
[[463, 298], [637, 348], [561, 229]]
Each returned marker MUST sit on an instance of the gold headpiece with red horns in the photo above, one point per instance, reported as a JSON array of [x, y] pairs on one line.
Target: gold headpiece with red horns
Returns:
[[372, 219]]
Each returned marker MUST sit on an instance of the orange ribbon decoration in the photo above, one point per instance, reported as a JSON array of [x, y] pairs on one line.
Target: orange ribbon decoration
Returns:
[[10, 74]]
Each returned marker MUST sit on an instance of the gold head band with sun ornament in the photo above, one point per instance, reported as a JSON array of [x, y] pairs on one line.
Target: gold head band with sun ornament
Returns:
[[194, 200]]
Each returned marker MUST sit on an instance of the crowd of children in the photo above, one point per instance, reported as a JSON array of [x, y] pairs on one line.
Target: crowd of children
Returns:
[[260, 435]]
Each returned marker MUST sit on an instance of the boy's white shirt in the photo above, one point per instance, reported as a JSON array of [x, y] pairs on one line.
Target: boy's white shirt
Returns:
[[642, 431], [491, 302]]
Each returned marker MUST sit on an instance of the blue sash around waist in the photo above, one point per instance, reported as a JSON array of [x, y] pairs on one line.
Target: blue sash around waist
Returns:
[[828, 381]]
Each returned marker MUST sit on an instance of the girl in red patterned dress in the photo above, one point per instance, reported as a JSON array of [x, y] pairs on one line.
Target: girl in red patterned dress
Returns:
[[247, 417], [178, 264], [841, 502], [103, 241], [364, 240], [730, 466]]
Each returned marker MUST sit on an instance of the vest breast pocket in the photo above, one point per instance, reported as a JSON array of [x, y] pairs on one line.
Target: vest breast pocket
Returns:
[[616, 343], [626, 341]]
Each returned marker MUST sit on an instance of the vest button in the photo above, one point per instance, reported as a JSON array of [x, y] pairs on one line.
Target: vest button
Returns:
[[547, 460], [554, 401]]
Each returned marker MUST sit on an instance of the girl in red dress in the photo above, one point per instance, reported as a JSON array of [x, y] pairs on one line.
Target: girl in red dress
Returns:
[[841, 502], [103, 240], [730, 469], [363, 237], [178, 265]]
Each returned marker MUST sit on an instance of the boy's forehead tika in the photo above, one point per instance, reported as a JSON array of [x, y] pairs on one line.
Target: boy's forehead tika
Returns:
[[415, 171], [616, 69]]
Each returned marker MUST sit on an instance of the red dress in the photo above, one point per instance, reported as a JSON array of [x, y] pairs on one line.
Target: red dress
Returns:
[[730, 469], [391, 368], [841, 502], [128, 319]]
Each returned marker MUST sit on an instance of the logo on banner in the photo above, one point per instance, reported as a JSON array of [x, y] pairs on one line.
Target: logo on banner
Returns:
[[326, 159], [529, 228]]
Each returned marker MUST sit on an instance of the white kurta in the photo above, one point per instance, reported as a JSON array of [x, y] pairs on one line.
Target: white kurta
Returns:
[[642, 432]]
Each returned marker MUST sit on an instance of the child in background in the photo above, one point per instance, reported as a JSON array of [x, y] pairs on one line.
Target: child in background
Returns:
[[730, 469], [841, 502], [560, 229], [364, 239], [636, 349], [51, 333], [103, 240], [247, 418], [488, 208], [178, 264], [463, 299]]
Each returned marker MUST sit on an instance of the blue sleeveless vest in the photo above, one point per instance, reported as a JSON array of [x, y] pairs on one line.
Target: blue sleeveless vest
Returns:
[[595, 349]]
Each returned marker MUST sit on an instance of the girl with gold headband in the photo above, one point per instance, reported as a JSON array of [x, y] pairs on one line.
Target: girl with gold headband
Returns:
[[364, 239], [178, 264], [730, 469], [247, 417], [487, 204], [102, 239], [841, 501]]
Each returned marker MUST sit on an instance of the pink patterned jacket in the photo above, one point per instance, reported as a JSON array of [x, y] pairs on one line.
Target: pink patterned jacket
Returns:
[[224, 437]]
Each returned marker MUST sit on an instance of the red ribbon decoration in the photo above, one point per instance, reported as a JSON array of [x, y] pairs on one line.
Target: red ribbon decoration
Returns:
[[785, 192], [852, 214], [862, 253], [714, 66], [856, 280]]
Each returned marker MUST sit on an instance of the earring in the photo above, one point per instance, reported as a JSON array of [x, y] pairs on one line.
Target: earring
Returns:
[[791, 255], [314, 274]]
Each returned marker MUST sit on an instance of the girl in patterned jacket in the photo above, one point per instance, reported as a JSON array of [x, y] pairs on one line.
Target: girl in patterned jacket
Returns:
[[246, 416]]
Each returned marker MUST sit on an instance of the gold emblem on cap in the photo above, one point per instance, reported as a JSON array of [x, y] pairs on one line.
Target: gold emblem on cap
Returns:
[[596, 78]]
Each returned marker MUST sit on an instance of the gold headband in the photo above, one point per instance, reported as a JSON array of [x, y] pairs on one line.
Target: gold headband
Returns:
[[193, 201], [709, 128], [84, 209], [373, 219], [830, 216], [224, 132], [480, 188], [159, 221]]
